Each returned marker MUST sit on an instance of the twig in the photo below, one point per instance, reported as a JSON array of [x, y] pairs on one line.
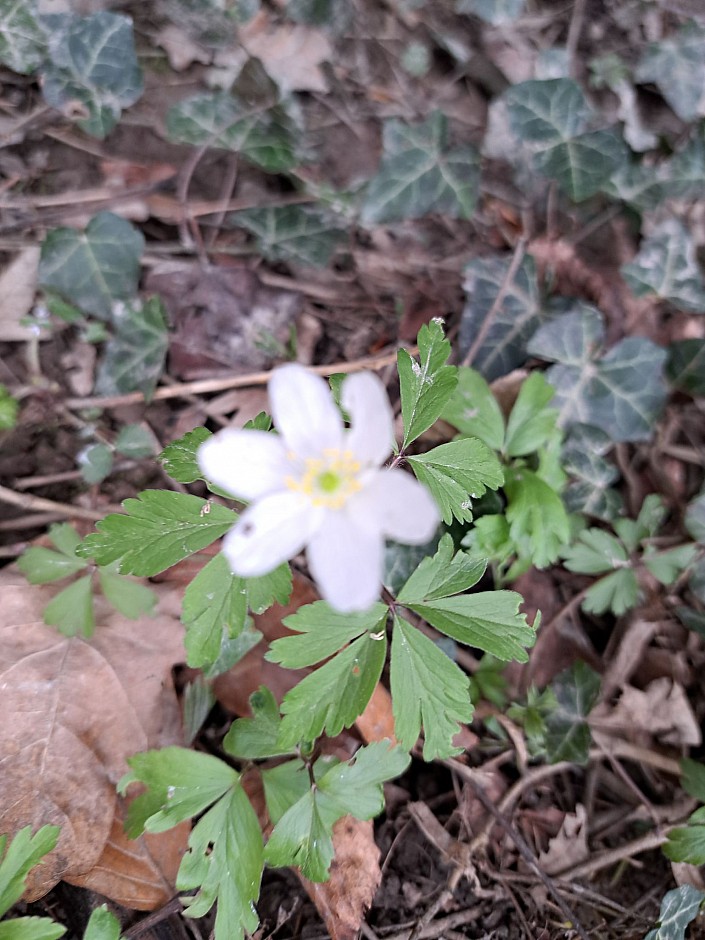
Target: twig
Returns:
[[39, 504], [574, 30], [652, 840], [517, 258], [203, 386]]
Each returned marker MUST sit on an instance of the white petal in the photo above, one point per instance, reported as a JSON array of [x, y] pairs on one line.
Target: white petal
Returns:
[[403, 509], [371, 436], [248, 464], [271, 531], [304, 411], [346, 563]]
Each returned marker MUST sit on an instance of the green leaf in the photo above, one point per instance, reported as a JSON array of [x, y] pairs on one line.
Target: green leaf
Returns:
[[135, 441], [134, 357], [199, 699], [355, 787], [271, 588], [530, 422], [595, 552], [132, 599], [22, 40], [514, 320], [92, 69], [94, 268], [41, 565], [179, 458], [425, 385], [489, 621], [95, 462], [568, 734], [299, 234], [9, 409], [71, 610], [456, 473], [667, 566], [287, 783], [676, 65], [572, 338], [302, 838], [695, 518], [666, 266], [214, 606], [618, 592], [646, 525], [257, 737], [590, 491], [321, 632], [473, 409], [180, 783], [218, 119], [18, 857], [400, 561], [693, 778], [102, 925], [583, 164], [447, 572], [224, 862], [679, 908], [427, 689], [157, 529], [685, 367], [495, 12], [336, 694], [335, 15], [538, 522], [30, 928], [421, 173], [232, 651]]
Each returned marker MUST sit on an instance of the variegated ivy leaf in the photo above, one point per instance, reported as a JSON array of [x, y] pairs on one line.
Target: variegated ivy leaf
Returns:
[[22, 39], [292, 233], [667, 267], [676, 65]]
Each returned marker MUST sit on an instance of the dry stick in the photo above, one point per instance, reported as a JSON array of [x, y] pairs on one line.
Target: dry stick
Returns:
[[574, 30], [652, 840], [519, 841], [39, 504], [494, 309], [203, 386]]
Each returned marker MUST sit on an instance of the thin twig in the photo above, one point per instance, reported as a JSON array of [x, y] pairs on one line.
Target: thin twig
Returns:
[[39, 504], [652, 840], [574, 30]]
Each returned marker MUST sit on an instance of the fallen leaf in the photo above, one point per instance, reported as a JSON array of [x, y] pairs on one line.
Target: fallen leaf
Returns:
[[18, 283], [180, 49], [291, 55], [661, 713], [80, 708], [569, 847]]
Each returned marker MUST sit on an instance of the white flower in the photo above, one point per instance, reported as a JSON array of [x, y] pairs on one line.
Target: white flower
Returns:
[[320, 485]]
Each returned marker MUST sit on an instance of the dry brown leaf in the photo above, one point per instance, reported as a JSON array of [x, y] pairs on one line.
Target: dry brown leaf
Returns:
[[80, 708], [661, 712], [18, 283], [291, 55], [569, 847]]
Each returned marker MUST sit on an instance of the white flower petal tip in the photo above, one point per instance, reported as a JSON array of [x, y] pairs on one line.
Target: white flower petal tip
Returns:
[[304, 411], [248, 464], [346, 563], [371, 436], [402, 507]]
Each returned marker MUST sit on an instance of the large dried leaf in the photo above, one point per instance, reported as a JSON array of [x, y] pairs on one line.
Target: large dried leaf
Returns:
[[79, 710]]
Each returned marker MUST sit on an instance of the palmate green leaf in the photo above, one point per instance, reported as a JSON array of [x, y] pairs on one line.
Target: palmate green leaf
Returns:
[[92, 63], [134, 356], [538, 521], [685, 366], [618, 592], [157, 529], [232, 651], [473, 409], [132, 599], [71, 610], [428, 690], [224, 862], [321, 632], [425, 385], [95, 462], [18, 856], [530, 423], [445, 573], [302, 838], [31, 928], [271, 588], [695, 519], [676, 65], [300, 234], [23, 42], [595, 552], [179, 458], [513, 322], [646, 525], [199, 699], [94, 268], [489, 621], [584, 163], [287, 783], [666, 266], [495, 12], [420, 173], [257, 737], [42, 565], [355, 787], [335, 695], [456, 473], [218, 119], [667, 566], [102, 925], [567, 735], [679, 908], [214, 606]]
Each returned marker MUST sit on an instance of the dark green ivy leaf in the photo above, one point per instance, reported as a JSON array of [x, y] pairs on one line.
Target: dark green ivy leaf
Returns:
[[134, 356]]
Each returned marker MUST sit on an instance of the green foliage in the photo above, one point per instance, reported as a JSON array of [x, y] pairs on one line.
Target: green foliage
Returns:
[[685, 367], [134, 356], [677, 65], [179, 458], [495, 12], [102, 925], [421, 173], [695, 518], [679, 908], [94, 268], [474, 411], [17, 858], [426, 385], [9, 409], [292, 233], [538, 522], [22, 39], [590, 490], [666, 267], [687, 843], [257, 737]]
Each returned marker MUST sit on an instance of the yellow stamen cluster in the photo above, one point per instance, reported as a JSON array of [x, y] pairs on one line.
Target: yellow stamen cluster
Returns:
[[329, 480]]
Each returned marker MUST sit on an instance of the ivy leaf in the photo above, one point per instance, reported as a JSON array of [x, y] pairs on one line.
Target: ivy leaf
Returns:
[[572, 338], [17, 859], [473, 409], [495, 12], [71, 610], [567, 735], [667, 267], [42, 565], [22, 39], [685, 366], [584, 163], [679, 907], [292, 233], [427, 689], [257, 737], [590, 491], [179, 458], [158, 529], [538, 521], [695, 519], [530, 422], [489, 621], [456, 473], [321, 632], [134, 356], [131, 598], [425, 385], [420, 173], [401, 560], [446, 573], [92, 63], [218, 119], [513, 322], [676, 65], [94, 268]]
